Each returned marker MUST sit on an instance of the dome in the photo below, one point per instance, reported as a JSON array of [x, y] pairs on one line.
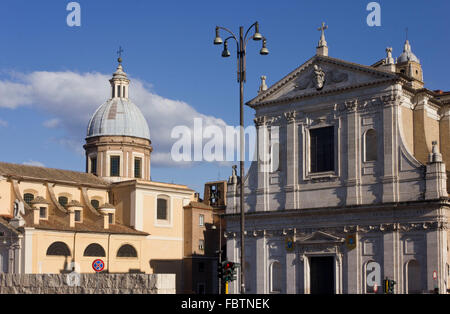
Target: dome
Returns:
[[118, 116], [407, 54]]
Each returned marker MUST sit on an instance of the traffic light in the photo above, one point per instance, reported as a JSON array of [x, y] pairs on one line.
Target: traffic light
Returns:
[[388, 286], [228, 271], [391, 286], [234, 271]]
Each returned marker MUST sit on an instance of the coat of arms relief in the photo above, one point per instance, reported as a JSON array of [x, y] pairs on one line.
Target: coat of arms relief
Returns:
[[319, 78]]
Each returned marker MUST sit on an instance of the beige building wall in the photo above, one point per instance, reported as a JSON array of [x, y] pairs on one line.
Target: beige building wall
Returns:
[[426, 130], [408, 127], [6, 198], [42, 263], [444, 128]]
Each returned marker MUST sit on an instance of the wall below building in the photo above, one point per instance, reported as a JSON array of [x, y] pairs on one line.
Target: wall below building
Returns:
[[88, 284]]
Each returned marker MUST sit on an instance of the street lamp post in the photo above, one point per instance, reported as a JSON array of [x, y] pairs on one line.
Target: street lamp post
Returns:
[[241, 45]]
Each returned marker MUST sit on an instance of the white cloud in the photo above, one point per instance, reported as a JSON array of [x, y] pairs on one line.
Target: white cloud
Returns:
[[34, 163], [52, 123], [71, 99]]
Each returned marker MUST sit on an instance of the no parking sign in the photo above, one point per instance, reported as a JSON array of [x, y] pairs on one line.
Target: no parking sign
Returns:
[[98, 265]]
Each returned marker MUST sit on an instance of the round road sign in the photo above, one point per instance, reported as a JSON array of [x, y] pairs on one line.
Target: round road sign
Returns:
[[98, 265]]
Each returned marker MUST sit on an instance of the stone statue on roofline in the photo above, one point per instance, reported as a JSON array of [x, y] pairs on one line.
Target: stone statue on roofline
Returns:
[[19, 210]]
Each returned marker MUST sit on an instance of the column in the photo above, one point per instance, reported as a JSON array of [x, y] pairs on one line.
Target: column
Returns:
[[291, 161], [353, 156], [261, 265], [390, 147]]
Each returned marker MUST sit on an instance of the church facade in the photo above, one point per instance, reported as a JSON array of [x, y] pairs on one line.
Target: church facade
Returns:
[[356, 187], [54, 221]]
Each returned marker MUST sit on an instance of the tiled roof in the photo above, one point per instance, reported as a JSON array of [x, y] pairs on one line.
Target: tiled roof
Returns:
[[50, 174], [39, 200], [58, 223]]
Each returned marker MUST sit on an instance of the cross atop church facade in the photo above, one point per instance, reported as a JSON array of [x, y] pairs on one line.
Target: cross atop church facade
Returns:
[[323, 28], [322, 48]]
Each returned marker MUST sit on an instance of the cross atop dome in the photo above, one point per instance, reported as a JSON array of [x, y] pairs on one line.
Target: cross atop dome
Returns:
[[119, 53]]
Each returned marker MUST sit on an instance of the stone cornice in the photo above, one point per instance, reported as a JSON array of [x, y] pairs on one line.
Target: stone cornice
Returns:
[[321, 93], [302, 234], [357, 209]]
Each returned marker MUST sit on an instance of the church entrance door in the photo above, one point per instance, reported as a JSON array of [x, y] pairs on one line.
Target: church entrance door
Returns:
[[321, 275]]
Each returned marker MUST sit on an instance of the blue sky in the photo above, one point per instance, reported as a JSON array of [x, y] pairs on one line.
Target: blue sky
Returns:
[[169, 55]]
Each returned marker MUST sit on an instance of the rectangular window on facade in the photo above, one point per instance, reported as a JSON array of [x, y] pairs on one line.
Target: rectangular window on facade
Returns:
[[110, 218], [161, 211], [94, 165], [322, 149], [201, 245], [115, 166], [201, 267], [137, 167], [78, 215], [43, 212], [201, 220]]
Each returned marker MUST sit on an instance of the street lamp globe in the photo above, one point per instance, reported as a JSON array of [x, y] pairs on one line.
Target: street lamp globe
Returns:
[[257, 35], [217, 40], [264, 51], [225, 52]]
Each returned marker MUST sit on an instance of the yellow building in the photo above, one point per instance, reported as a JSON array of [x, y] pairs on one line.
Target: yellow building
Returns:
[[55, 220]]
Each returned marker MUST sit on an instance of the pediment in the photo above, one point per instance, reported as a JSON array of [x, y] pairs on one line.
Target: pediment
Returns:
[[320, 75], [320, 237]]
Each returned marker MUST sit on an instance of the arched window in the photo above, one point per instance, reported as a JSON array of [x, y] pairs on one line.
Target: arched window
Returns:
[[28, 197], [94, 249], [414, 277], [95, 204], [127, 250], [58, 249], [275, 277], [63, 200], [371, 145]]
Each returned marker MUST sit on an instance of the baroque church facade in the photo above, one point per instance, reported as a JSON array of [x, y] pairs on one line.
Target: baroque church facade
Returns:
[[54, 221], [360, 192]]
